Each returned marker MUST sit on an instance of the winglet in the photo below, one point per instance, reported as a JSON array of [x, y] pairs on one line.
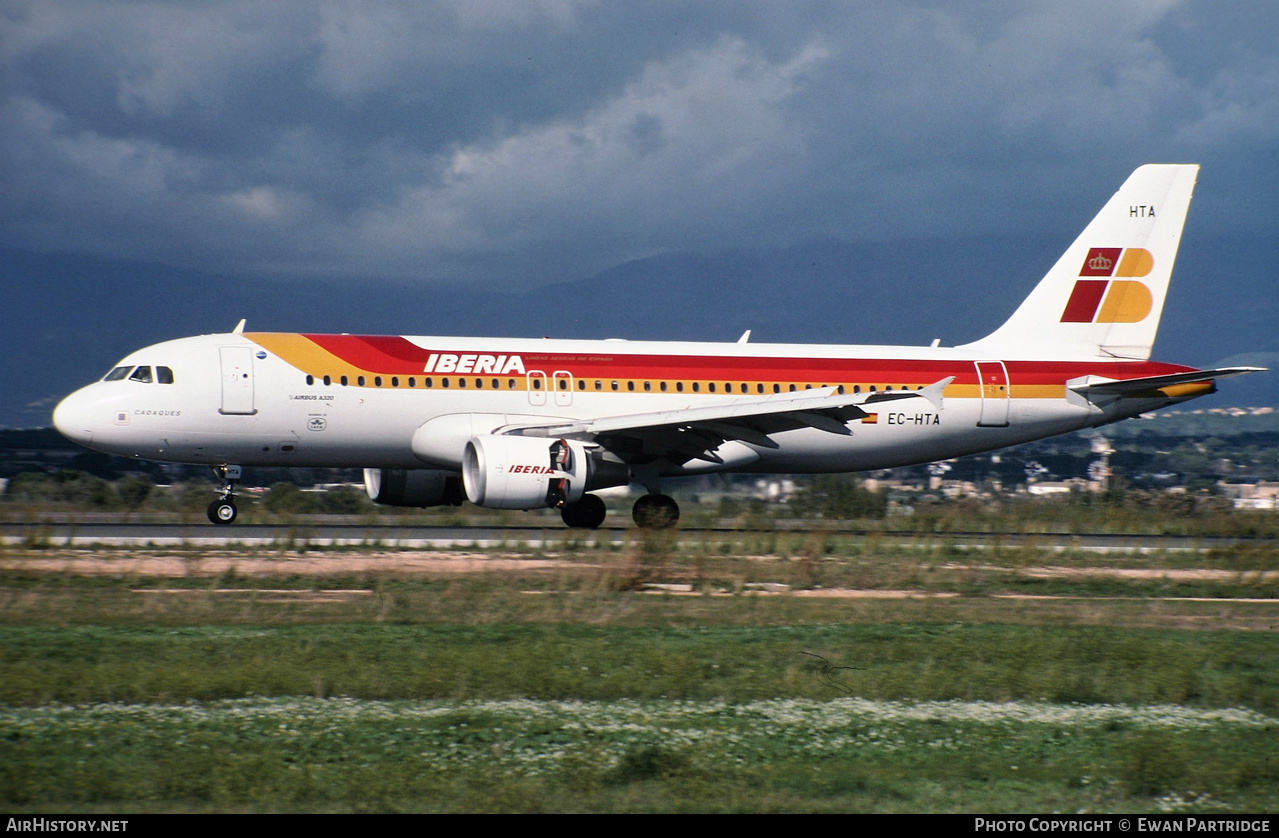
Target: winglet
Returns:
[[933, 392]]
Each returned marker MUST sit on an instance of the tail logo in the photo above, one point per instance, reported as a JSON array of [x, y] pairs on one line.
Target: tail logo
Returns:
[[1109, 300], [1133, 261]]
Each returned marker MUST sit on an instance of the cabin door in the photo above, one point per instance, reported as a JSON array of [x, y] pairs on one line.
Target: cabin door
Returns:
[[995, 394], [237, 381]]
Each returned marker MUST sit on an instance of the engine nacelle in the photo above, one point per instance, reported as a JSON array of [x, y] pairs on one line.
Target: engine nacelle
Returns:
[[420, 487], [519, 472]]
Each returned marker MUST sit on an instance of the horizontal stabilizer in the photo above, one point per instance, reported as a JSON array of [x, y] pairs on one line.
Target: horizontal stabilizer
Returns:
[[1096, 385]]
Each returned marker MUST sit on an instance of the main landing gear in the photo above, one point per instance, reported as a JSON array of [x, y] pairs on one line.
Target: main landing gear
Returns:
[[223, 510], [585, 514], [655, 512], [652, 511]]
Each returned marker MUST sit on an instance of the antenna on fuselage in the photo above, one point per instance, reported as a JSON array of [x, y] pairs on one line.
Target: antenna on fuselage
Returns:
[[239, 327], [745, 338]]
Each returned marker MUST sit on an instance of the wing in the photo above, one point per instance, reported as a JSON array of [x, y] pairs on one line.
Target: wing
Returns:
[[694, 433]]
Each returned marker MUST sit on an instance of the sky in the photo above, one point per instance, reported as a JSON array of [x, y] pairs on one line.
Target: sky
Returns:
[[493, 144]]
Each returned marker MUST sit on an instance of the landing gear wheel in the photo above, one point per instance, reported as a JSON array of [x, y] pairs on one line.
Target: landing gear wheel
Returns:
[[222, 512], [657, 512], [585, 514]]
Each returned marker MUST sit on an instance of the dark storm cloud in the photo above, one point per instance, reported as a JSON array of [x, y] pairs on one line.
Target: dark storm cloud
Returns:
[[518, 143]]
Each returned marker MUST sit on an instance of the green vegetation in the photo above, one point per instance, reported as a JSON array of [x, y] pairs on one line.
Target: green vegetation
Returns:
[[840, 755], [573, 662], [660, 675]]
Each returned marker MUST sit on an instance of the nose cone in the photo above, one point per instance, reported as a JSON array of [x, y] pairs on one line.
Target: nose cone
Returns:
[[72, 417]]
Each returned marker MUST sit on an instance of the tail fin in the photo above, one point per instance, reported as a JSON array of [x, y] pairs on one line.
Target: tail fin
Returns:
[[1104, 297]]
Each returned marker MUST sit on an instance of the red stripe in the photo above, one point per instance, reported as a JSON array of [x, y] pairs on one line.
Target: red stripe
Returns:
[[374, 353], [397, 356], [1084, 300]]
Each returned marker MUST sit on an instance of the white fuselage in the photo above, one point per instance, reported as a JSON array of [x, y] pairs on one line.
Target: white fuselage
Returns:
[[263, 400]]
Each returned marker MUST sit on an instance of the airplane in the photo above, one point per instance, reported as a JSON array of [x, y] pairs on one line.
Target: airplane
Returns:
[[530, 424]]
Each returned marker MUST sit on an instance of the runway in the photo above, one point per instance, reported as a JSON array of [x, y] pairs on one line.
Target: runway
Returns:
[[395, 536]]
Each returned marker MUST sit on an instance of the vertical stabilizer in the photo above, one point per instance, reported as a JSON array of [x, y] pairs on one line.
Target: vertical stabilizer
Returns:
[[1104, 297]]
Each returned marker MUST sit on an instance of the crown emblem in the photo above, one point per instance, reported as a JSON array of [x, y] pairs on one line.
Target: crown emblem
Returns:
[[1100, 261]]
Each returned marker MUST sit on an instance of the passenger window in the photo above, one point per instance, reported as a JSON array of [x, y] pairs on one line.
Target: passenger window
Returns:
[[117, 373], [142, 374]]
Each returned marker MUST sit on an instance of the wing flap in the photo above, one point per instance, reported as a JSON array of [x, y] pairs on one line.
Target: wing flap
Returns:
[[695, 432]]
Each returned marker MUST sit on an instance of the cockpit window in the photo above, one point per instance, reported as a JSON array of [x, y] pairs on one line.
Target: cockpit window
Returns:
[[142, 374], [117, 373], [164, 375]]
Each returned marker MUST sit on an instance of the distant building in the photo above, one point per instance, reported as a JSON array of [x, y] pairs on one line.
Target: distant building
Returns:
[[1252, 495]]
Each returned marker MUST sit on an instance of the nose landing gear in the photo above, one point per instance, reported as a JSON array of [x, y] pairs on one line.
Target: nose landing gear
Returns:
[[223, 510]]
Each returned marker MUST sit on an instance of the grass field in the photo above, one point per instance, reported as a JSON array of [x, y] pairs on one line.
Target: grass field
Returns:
[[770, 672]]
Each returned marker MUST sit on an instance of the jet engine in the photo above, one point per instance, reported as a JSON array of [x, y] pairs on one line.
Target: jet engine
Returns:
[[517, 472], [414, 487]]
